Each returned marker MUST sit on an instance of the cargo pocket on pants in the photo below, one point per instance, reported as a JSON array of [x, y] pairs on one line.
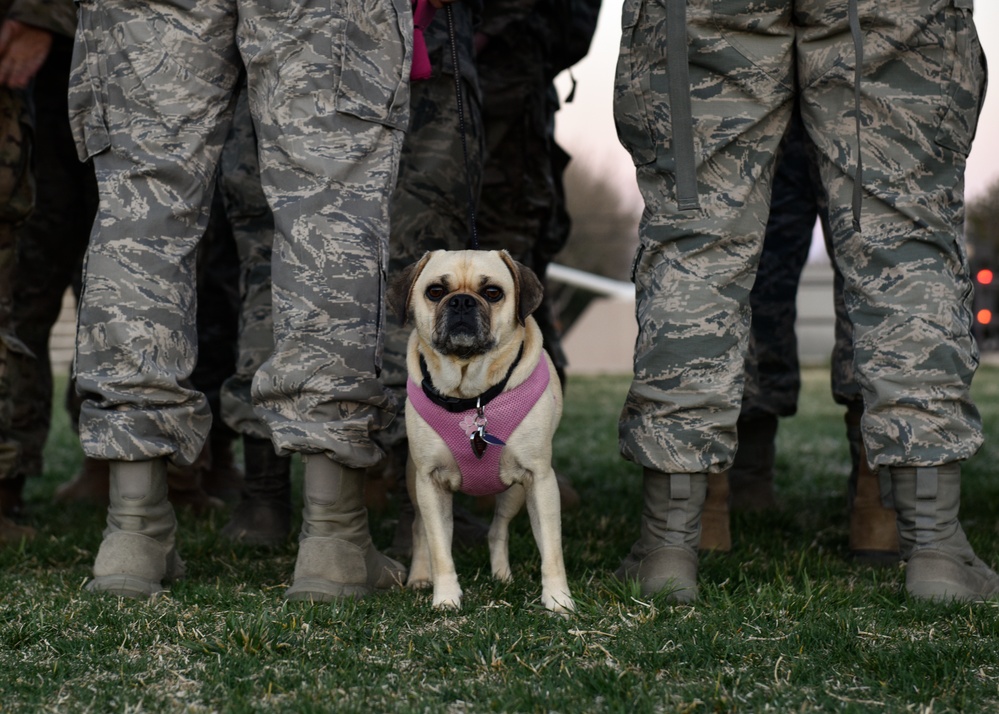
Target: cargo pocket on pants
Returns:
[[377, 49], [631, 87], [966, 93], [87, 95]]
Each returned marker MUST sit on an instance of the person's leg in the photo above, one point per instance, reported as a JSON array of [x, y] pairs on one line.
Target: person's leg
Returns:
[[154, 128], [696, 261], [907, 284], [16, 197], [329, 146], [873, 535], [50, 250]]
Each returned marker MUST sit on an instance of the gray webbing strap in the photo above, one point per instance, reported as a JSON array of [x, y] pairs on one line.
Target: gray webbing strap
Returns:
[[679, 101], [927, 485], [679, 491], [858, 49]]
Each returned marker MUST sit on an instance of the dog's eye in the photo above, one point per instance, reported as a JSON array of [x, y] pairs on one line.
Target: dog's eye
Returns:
[[436, 292], [492, 293]]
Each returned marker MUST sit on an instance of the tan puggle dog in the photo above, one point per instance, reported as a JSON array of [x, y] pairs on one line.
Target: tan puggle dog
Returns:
[[474, 358]]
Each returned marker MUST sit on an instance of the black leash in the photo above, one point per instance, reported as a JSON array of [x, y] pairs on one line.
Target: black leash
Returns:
[[473, 238]]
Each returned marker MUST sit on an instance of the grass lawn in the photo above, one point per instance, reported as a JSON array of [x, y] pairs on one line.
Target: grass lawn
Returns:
[[785, 622]]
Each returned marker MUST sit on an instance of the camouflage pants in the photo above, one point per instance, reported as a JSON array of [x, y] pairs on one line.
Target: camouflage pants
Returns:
[[50, 248], [773, 373], [151, 100], [906, 283], [16, 203]]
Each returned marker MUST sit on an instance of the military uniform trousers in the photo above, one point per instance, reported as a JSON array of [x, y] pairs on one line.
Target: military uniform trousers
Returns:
[[906, 283], [151, 101]]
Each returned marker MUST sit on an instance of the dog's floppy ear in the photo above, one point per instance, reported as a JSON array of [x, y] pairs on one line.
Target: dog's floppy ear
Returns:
[[528, 290], [400, 291]]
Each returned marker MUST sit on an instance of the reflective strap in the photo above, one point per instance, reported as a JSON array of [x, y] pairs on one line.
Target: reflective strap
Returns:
[[858, 49], [679, 101], [927, 485], [679, 493]]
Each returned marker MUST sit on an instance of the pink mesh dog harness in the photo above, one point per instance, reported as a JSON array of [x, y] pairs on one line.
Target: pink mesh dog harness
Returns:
[[480, 476]]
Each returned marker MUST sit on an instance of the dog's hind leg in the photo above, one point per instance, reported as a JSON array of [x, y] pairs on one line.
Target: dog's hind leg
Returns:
[[508, 505], [546, 522], [436, 505]]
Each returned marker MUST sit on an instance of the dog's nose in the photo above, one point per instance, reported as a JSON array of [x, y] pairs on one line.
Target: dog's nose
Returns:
[[461, 302]]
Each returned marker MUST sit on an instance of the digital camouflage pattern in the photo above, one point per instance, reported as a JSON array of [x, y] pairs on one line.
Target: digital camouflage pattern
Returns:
[[151, 100], [907, 288], [16, 203]]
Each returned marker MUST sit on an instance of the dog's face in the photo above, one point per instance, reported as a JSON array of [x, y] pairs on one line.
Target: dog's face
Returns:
[[465, 303]]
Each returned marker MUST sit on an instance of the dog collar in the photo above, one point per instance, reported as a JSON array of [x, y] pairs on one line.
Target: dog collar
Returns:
[[459, 404]]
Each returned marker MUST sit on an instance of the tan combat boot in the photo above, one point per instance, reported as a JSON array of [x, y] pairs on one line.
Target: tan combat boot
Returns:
[[336, 557], [138, 552], [716, 529], [941, 564], [873, 531], [664, 558]]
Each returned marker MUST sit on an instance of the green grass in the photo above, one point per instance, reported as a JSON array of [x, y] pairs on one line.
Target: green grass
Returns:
[[784, 623]]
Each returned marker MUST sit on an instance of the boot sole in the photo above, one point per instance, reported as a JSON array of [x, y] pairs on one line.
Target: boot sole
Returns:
[[940, 591], [125, 586], [938, 576], [315, 590]]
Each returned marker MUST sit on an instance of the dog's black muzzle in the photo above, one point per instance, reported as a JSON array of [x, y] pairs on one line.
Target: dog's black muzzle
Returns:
[[463, 314], [462, 328]]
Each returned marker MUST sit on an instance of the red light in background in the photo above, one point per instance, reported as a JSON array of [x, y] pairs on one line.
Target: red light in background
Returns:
[[984, 276], [984, 316]]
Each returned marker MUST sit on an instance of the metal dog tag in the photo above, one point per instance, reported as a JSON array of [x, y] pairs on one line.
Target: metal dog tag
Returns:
[[479, 437], [490, 439], [478, 445]]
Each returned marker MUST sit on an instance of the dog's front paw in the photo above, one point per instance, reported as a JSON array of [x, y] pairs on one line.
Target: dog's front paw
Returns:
[[503, 574], [418, 583], [447, 597], [419, 575], [559, 602]]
